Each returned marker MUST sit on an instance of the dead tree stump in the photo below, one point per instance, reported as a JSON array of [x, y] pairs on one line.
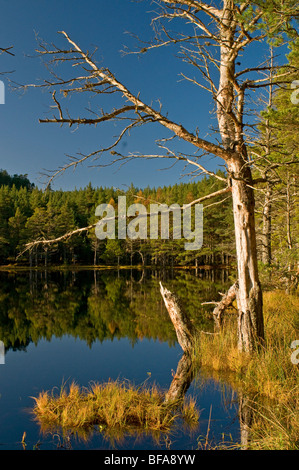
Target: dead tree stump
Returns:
[[224, 303], [182, 325], [182, 379]]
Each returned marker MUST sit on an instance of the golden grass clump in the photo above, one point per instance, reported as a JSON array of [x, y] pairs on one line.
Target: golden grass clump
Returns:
[[113, 405]]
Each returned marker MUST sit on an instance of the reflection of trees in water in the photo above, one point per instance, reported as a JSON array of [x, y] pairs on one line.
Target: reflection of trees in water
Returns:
[[96, 305], [101, 305]]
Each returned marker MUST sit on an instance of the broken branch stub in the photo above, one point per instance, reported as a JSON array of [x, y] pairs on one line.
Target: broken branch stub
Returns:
[[225, 302], [181, 323]]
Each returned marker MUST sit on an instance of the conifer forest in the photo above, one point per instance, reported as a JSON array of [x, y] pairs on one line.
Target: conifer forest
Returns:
[[149, 227]]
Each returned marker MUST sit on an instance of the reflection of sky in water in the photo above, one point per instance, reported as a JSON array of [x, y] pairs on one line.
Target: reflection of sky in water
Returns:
[[48, 364], [2, 353], [54, 362]]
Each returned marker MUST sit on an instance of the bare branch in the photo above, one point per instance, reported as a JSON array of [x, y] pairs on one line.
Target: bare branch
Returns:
[[6, 50], [64, 237], [90, 121], [213, 12], [76, 161], [143, 111]]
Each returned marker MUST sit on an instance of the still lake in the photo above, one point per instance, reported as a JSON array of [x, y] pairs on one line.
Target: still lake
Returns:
[[94, 325]]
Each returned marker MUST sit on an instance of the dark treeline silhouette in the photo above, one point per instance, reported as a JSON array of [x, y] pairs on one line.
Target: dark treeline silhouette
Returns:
[[28, 213], [19, 181]]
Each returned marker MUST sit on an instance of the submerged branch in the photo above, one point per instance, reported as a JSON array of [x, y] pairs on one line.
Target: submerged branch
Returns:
[[181, 381]]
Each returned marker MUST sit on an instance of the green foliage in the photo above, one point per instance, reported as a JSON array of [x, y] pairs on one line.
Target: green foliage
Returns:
[[19, 181], [31, 214], [278, 148], [276, 20], [97, 306]]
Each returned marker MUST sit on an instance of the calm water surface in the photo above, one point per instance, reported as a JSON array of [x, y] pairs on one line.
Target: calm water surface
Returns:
[[85, 326]]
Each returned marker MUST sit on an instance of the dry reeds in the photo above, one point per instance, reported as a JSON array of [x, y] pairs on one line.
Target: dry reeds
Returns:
[[116, 407], [268, 372]]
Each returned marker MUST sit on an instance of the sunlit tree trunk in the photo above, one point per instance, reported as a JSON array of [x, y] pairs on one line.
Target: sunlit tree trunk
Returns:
[[249, 295]]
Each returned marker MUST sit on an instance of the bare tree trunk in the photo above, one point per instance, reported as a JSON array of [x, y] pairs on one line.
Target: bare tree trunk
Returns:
[[249, 298], [95, 255], [267, 207], [46, 256], [288, 213], [181, 322]]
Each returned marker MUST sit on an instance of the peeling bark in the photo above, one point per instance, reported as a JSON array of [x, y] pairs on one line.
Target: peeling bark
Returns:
[[181, 323], [249, 296], [225, 302]]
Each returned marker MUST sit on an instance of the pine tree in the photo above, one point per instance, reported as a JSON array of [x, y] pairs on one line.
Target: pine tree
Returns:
[[16, 230], [278, 164]]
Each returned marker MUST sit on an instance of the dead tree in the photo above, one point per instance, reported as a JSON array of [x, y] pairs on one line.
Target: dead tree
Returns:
[[183, 376], [218, 35], [182, 379], [185, 332], [224, 303], [182, 325]]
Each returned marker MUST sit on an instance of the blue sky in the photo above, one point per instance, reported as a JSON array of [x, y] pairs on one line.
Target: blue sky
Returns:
[[30, 147]]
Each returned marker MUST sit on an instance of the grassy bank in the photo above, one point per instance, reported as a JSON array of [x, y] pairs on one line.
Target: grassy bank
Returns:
[[114, 408], [269, 376], [268, 382]]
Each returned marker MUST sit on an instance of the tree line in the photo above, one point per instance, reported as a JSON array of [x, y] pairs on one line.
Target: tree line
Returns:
[[28, 213]]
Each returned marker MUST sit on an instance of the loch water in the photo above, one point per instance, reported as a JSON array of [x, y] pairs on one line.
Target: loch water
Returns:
[[94, 325]]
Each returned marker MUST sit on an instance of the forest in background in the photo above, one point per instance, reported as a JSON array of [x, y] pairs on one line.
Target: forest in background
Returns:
[[28, 213]]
